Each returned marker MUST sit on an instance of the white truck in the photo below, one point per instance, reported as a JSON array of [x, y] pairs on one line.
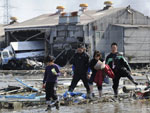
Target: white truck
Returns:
[[22, 50]]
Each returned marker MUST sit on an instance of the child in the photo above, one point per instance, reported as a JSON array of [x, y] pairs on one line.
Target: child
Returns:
[[50, 82]]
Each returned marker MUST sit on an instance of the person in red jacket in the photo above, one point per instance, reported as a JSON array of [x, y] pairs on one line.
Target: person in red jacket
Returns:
[[96, 57]]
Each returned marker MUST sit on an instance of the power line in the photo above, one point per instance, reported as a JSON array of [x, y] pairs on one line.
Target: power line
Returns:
[[6, 15]]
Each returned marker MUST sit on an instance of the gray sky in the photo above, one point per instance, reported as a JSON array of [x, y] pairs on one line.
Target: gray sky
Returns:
[[27, 9]]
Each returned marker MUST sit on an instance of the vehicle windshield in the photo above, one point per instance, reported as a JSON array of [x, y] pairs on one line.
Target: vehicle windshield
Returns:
[[5, 54]]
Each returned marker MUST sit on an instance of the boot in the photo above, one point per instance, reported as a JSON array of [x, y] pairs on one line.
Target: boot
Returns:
[[115, 93], [48, 108], [57, 105], [88, 95], [134, 82], [91, 91], [70, 89], [93, 95], [100, 93]]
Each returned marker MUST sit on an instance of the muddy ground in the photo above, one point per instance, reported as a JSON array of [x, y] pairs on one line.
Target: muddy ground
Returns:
[[117, 106]]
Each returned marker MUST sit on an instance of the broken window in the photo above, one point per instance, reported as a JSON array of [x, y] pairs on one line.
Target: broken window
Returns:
[[27, 35], [5, 55], [80, 39], [54, 38]]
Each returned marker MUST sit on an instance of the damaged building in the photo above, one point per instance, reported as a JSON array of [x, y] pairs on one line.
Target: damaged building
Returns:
[[61, 32], [2, 37]]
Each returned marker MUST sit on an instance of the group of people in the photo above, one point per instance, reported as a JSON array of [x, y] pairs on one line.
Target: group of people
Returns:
[[119, 67]]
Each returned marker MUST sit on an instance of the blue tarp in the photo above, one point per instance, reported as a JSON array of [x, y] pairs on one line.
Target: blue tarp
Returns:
[[31, 96], [65, 95]]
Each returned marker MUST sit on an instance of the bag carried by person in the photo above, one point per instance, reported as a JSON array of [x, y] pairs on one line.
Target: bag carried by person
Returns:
[[109, 71], [99, 65]]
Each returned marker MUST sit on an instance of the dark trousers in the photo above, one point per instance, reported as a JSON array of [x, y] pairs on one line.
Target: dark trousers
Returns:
[[91, 80], [76, 79], [123, 72], [51, 91]]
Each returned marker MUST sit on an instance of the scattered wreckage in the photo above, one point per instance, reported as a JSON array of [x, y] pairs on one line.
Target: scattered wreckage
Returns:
[[23, 55], [14, 96], [141, 91]]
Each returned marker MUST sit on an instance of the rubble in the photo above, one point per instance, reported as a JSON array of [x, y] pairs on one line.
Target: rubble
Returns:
[[23, 64], [26, 95]]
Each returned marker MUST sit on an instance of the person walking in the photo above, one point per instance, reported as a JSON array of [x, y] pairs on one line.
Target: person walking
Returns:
[[93, 62], [80, 62], [50, 82], [120, 67]]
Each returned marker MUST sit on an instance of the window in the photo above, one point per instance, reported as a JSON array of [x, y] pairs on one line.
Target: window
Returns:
[[11, 54], [97, 34], [5, 54], [80, 39]]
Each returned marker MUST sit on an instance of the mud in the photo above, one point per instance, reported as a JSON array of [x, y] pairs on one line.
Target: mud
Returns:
[[117, 106], [108, 107]]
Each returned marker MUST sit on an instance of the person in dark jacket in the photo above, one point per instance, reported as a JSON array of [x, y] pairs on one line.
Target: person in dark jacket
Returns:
[[50, 82], [96, 57], [120, 67], [80, 62]]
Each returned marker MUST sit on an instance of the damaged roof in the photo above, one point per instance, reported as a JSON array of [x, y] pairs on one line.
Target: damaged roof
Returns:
[[47, 20]]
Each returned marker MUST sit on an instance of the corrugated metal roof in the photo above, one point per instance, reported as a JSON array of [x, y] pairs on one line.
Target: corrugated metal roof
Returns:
[[89, 16], [42, 20], [46, 20], [129, 25]]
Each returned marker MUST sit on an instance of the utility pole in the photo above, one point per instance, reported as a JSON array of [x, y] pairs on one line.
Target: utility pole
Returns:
[[6, 16]]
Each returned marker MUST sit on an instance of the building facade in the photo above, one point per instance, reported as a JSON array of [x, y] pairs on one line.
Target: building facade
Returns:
[[96, 29]]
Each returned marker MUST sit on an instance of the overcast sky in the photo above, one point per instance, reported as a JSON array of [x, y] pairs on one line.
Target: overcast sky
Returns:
[[27, 9]]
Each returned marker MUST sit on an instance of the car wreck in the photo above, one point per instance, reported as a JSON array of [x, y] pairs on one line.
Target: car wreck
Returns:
[[19, 53]]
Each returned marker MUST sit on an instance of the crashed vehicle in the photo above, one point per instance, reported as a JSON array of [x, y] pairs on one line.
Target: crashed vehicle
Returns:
[[139, 92], [15, 54]]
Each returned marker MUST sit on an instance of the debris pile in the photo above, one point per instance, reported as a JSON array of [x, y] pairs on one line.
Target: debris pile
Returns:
[[23, 64]]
